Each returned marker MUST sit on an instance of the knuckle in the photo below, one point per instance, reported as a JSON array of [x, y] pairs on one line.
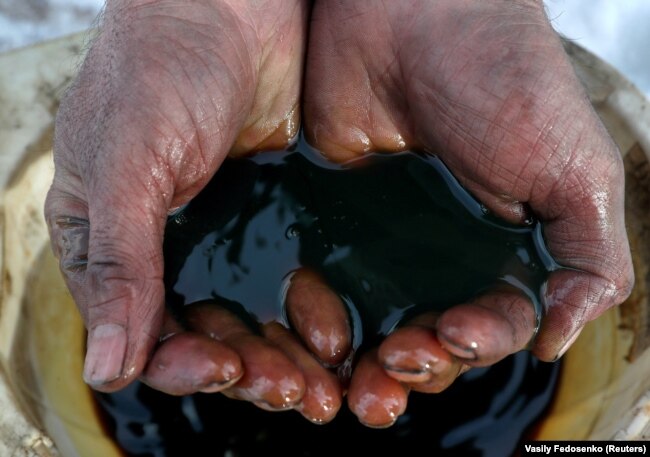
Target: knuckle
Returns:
[[116, 289], [109, 278], [611, 293], [624, 284]]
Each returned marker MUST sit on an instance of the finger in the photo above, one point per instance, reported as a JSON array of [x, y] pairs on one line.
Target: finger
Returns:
[[271, 380], [572, 300], [354, 105], [123, 282], [413, 355], [318, 315], [114, 274], [487, 329], [322, 399], [107, 234], [374, 397], [186, 363], [585, 232]]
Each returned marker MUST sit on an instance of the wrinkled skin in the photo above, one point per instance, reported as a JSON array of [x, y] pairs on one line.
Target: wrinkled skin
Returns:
[[487, 86], [163, 95], [168, 90]]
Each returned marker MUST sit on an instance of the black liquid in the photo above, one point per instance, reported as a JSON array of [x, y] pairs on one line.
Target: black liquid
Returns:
[[393, 236]]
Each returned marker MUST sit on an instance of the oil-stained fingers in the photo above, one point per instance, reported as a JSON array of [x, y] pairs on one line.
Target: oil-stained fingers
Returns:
[[323, 394], [487, 329], [271, 380], [319, 316], [374, 397], [413, 355], [188, 362]]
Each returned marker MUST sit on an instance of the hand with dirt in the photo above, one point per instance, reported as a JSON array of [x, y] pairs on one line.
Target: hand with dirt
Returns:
[[166, 91], [486, 86]]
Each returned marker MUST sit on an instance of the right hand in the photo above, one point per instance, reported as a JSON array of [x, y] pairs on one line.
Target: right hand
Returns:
[[158, 103]]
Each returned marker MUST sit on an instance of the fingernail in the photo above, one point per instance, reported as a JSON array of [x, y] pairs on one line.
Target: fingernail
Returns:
[[105, 355], [569, 343], [214, 387], [379, 426], [266, 406], [460, 351], [410, 376], [166, 336], [217, 386]]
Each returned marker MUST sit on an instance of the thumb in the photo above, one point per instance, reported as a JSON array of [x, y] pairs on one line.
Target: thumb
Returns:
[[124, 282], [110, 252]]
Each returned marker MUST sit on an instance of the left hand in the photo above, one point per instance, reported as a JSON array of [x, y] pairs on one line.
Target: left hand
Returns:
[[486, 86]]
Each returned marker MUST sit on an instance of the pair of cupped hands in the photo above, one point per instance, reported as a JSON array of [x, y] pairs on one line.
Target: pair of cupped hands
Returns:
[[169, 88]]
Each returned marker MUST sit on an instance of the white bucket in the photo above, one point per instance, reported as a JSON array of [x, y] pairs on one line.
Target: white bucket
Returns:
[[46, 409]]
